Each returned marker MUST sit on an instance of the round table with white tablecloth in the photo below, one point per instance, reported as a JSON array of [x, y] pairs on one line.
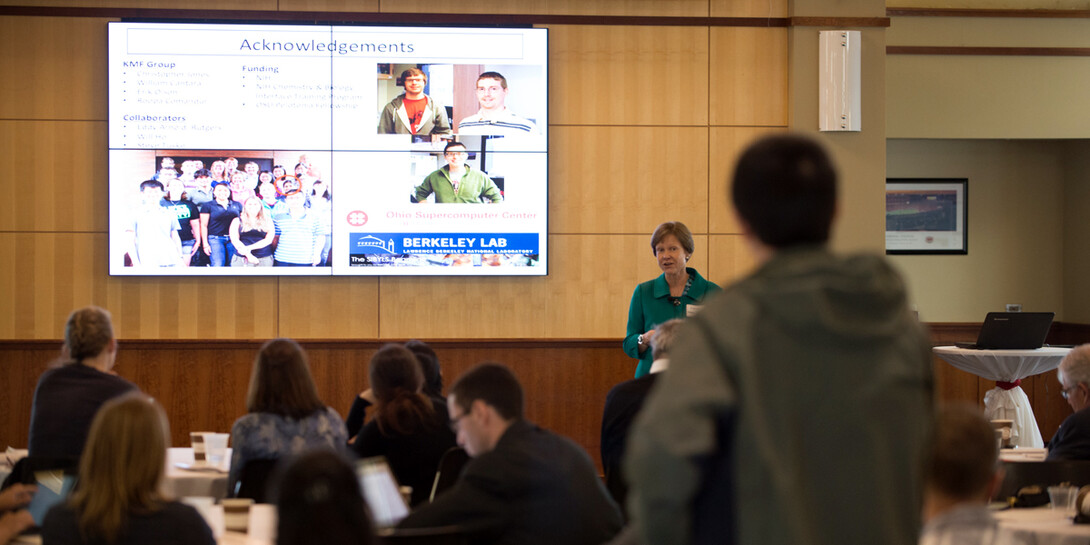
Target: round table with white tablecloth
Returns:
[[1042, 526], [1007, 401]]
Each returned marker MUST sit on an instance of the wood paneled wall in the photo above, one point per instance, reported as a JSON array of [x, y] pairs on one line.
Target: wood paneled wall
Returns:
[[645, 122], [202, 385]]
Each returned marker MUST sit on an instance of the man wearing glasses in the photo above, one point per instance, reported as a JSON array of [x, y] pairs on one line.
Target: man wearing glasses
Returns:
[[1072, 439], [523, 484], [457, 182], [414, 112]]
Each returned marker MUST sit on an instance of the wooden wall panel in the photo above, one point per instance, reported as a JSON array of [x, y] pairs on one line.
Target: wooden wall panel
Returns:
[[53, 68], [748, 84], [203, 386], [47, 275], [727, 143], [329, 5], [591, 288], [673, 8], [729, 259], [266, 5], [748, 8], [328, 308], [627, 75], [44, 277], [63, 188], [463, 308], [596, 177]]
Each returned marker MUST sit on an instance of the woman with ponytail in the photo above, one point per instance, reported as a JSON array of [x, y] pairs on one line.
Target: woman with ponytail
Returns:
[[68, 395], [410, 429]]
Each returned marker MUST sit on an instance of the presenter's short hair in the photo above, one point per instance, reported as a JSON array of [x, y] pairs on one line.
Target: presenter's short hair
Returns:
[[785, 190], [493, 75], [679, 230], [964, 452], [492, 383], [453, 144]]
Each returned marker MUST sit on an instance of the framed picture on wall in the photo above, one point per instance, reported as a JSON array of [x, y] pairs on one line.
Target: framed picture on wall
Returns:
[[927, 216]]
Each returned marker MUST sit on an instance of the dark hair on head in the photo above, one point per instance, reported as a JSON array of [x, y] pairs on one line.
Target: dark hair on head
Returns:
[[318, 500], [87, 333], [408, 72], [325, 190], [396, 380], [495, 76], [429, 364], [492, 383], [203, 173], [281, 383], [679, 230], [963, 452], [151, 183], [785, 189], [454, 144]]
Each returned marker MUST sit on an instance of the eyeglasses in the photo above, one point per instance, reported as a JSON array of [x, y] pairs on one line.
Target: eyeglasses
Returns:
[[1066, 392]]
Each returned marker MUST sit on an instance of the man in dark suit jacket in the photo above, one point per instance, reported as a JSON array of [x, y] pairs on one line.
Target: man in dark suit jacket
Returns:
[[523, 484], [623, 403]]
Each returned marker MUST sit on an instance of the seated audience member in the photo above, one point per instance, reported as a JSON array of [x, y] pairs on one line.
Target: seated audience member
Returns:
[[118, 500], [14, 518], [286, 416], [433, 387], [318, 500], [429, 365], [961, 478], [68, 396], [409, 428], [1072, 439], [523, 484], [623, 403]]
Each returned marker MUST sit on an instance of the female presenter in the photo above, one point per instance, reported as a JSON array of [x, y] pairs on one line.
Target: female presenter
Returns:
[[666, 297]]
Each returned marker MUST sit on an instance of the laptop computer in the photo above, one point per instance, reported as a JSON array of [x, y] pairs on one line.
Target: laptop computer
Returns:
[[381, 492], [1012, 331]]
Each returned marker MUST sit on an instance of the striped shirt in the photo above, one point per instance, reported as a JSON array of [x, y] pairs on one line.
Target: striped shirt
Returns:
[[505, 123], [298, 242]]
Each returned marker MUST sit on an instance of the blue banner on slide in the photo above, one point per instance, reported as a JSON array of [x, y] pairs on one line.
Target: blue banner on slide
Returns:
[[442, 243]]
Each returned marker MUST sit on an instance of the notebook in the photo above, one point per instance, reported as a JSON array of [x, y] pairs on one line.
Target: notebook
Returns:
[[381, 491], [53, 488], [1012, 331]]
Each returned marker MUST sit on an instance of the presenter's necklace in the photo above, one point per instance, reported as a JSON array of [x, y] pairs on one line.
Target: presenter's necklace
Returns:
[[677, 300]]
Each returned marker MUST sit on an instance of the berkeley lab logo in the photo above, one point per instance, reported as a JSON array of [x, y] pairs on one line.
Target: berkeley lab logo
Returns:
[[370, 244]]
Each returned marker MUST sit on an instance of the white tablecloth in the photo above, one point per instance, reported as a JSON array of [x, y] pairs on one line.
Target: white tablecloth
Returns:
[[1007, 366], [1043, 526], [181, 482]]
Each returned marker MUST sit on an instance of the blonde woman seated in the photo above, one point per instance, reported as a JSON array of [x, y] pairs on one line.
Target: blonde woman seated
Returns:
[[117, 500], [252, 233], [286, 417]]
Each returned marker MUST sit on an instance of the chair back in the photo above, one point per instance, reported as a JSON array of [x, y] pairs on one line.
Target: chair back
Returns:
[[1044, 474], [450, 468], [253, 480]]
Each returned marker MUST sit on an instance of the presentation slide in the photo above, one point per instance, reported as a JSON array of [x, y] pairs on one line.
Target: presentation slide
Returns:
[[327, 150]]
